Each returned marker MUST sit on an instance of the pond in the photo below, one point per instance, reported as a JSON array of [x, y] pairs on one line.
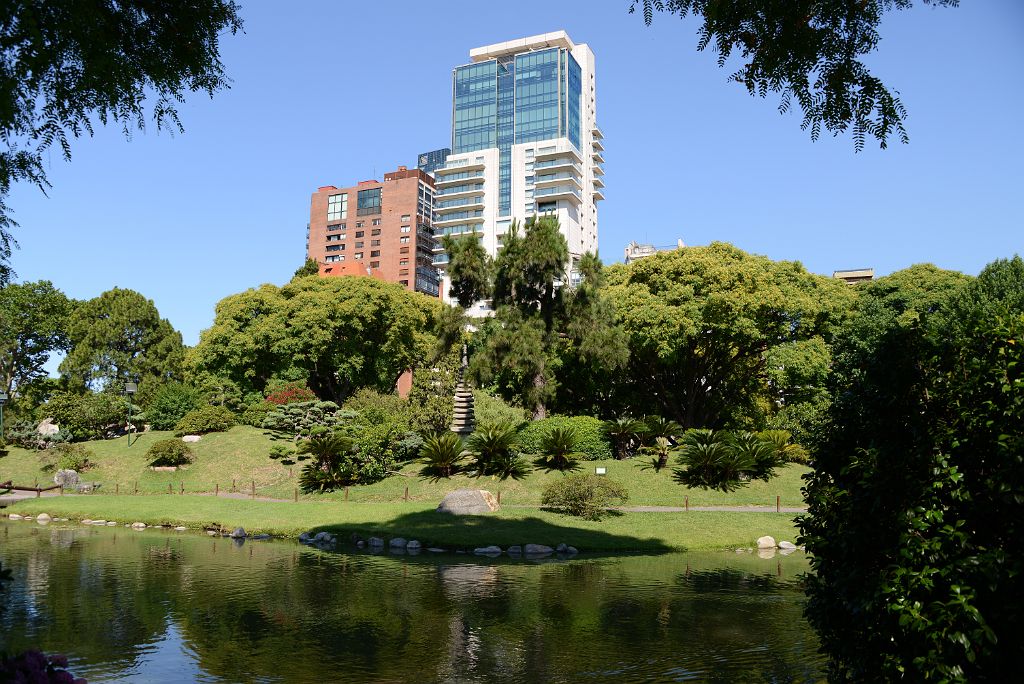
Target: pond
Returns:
[[162, 606]]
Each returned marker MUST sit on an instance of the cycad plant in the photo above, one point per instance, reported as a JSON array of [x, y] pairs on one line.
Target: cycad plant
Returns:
[[661, 450], [492, 449], [657, 426], [560, 450], [332, 464], [708, 462], [759, 456], [442, 456], [782, 442], [624, 433]]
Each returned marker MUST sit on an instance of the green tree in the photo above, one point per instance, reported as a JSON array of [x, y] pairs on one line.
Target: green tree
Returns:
[[493, 450], [336, 334], [701, 321], [470, 268], [810, 52], [33, 324], [625, 433], [68, 65], [921, 475], [310, 268], [120, 336]]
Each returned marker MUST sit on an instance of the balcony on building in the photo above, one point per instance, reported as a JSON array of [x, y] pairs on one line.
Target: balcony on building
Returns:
[[561, 148], [448, 206], [596, 132], [558, 163], [598, 195], [598, 171], [457, 176], [559, 192], [596, 156], [553, 179], [443, 220], [597, 145], [454, 190], [598, 183]]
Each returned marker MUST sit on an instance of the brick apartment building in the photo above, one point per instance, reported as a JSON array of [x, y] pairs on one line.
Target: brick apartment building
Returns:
[[378, 229]]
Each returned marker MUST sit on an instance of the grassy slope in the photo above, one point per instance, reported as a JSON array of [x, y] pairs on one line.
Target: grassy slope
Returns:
[[414, 520], [241, 454]]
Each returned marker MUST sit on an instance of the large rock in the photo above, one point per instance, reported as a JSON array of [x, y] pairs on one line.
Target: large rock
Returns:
[[191, 438], [375, 541], [537, 550], [47, 427], [237, 533], [68, 479], [43, 517], [413, 546], [766, 542], [787, 546], [398, 543], [468, 502], [488, 551]]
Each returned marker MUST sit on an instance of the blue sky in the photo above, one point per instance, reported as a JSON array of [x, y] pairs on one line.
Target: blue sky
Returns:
[[332, 93]]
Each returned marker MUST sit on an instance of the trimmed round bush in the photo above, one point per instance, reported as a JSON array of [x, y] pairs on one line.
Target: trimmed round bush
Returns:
[[206, 419], [171, 403], [67, 457], [255, 414], [490, 410], [169, 452], [592, 443], [583, 494]]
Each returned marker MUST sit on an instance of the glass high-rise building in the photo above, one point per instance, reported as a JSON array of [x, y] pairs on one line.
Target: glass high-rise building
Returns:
[[431, 161], [525, 142]]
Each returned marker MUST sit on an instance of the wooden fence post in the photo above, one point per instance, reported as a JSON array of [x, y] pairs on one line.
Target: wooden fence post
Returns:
[[406, 493], [182, 487], [117, 488], [687, 504], [778, 504], [232, 484], [216, 489], [296, 495], [169, 491], [346, 493], [254, 489], [499, 497]]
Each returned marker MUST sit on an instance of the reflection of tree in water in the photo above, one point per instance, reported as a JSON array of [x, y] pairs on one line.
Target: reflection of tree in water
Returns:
[[271, 610]]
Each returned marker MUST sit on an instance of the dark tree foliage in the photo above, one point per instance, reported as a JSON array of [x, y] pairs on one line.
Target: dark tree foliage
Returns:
[[66, 65], [915, 518], [310, 268], [470, 269], [809, 51]]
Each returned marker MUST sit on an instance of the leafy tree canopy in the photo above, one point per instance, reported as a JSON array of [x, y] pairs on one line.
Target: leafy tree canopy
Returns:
[[809, 51], [33, 324], [337, 334], [66, 65], [120, 336], [310, 268], [700, 321]]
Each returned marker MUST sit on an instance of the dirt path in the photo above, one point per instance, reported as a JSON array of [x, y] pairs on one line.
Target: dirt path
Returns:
[[680, 509]]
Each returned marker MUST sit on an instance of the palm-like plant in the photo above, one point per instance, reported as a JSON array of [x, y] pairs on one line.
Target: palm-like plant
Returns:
[[760, 457], [327, 449], [624, 432], [657, 426], [492, 448], [560, 450], [782, 442], [709, 462], [661, 450], [331, 466], [441, 456]]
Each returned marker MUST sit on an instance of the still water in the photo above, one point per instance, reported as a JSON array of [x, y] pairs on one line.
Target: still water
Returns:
[[161, 606]]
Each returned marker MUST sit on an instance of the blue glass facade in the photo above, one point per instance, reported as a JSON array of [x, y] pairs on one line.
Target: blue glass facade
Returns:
[[515, 99]]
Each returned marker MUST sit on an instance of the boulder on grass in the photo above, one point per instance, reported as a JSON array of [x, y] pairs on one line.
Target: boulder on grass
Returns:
[[468, 502], [68, 479], [766, 542]]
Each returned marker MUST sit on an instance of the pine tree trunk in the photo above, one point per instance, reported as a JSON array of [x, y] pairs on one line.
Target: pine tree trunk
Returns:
[[540, 411]]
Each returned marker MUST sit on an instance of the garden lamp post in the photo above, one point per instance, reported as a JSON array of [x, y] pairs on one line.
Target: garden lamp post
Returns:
[[130, 388], [3, 400]]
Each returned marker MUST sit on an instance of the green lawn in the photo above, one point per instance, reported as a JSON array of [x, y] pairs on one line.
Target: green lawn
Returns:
[[415, 520], [240, 455]]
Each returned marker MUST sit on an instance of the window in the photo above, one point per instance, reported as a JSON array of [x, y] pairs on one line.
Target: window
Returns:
[[375, 253], [404, 240], [403, 271], [546, 206], [403, 250], [406, 229], [375, 222], [359, 224], [404, 282], [337, 207], [406, 218], [334, 259], [336, 226], [360, 233], [335, 248], [375, 231], [403, 262], [333, 238], [375, 243], [374, 264], [368, 202], [359, 245], [358, 255]]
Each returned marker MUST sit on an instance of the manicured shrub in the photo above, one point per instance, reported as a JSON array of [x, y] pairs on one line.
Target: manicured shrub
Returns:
[[491, 410], [25, 435], [87, 416], [442, 456], [301, 418], [255, 414], [170, 404], [290, 393], [583, 494], [493, 450], [591, 442], [206, 419], [376, 408], [717, 459], [66, 456], [333, 464], [559, 450], [169, 452], [782, 442]]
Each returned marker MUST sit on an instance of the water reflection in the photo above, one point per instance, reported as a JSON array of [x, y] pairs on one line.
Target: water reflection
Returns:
[[169, 606]]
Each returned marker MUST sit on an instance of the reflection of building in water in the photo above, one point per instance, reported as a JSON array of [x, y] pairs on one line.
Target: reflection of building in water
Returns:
[[635, 251]]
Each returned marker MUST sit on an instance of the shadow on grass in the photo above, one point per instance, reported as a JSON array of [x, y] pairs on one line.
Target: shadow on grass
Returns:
[[449, 531]]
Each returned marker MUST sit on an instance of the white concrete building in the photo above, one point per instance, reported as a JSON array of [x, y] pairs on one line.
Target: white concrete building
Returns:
[[525, 142]]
